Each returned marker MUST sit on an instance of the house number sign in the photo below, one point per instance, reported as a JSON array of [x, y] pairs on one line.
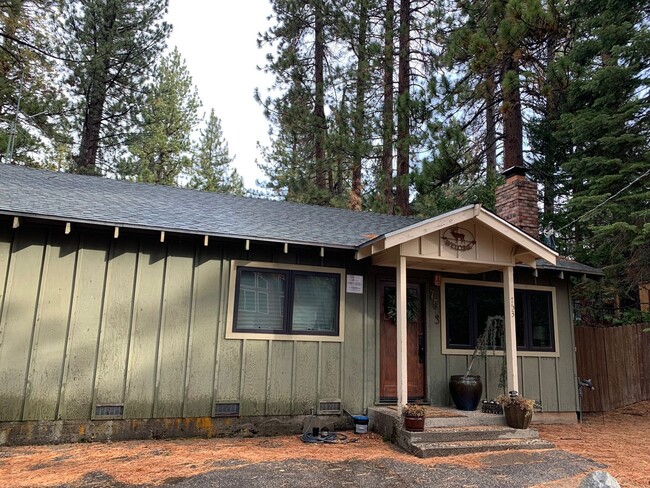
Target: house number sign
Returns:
[[458, 238]]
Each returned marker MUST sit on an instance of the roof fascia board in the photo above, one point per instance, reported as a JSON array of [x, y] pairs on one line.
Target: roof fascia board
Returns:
[[122, 225]]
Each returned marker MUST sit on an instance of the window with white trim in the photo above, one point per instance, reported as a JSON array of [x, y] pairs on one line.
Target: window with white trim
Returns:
[[282, 301], [467, 308]]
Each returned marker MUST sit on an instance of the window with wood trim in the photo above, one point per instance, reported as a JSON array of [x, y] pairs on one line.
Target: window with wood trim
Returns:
[[286, 301], [467, 308]]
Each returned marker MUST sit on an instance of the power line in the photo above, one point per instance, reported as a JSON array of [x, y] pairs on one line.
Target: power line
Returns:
[[604, 202]]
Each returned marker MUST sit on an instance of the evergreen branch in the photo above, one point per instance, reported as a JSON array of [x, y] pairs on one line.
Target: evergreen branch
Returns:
[[36, 48], [604, 202]]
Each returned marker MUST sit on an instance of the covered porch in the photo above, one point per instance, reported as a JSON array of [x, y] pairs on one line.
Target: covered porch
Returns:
[[467, 241]]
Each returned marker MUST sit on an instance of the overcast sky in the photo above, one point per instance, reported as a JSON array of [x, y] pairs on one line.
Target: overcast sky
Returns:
[[218, 39]]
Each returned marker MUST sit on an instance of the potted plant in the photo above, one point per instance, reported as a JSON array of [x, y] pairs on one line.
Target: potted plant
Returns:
[[466, 389], [517, 409], [414, 416]]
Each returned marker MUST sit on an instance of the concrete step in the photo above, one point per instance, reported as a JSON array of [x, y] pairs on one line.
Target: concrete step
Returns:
[[434, 449], [466, 419], [471, 433]]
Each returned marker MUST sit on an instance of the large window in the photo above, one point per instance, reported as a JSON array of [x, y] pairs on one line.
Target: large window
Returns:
[[467, 308], [286, 301]]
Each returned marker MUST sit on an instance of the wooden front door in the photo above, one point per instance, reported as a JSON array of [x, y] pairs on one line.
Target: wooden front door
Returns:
[[415, 345]]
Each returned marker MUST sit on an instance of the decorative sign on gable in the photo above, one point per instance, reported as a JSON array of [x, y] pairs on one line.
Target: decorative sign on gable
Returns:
[[458, 238]]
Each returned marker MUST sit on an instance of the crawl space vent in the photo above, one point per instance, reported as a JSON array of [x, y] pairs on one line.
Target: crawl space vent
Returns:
[[329, 407], [115, 410], [226, 409]]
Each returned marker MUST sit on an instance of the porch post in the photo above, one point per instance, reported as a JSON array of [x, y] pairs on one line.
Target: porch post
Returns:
[[510, 328], [400, 299]]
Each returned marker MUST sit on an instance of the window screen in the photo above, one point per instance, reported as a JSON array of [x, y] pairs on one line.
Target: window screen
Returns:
[[315, 302], [261, 300]]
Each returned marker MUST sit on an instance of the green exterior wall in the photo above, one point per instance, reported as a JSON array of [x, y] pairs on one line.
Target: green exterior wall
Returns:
[[87, 319], [550, 380]]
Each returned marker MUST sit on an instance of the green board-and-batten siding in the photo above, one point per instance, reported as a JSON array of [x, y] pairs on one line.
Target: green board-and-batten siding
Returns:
[[86, 319]]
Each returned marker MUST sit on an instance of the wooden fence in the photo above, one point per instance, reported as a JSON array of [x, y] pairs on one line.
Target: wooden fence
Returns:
[[617, 360]]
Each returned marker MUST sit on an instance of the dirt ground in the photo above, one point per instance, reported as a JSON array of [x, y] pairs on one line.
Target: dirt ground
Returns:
[[620, 440]]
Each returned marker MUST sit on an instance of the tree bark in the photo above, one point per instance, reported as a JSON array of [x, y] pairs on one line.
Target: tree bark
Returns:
[[490, 113], [403, 108], [386, 176], [512, 122], [319, 99], [355, 202], [490, 128], [86, 159]]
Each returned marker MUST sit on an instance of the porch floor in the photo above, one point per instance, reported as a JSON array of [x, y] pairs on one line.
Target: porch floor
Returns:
[[446, 416]]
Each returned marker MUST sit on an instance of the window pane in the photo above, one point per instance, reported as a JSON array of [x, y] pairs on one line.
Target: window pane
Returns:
[[315, 303], [541, 321], [489, 303], [261, 296], [457, 311]]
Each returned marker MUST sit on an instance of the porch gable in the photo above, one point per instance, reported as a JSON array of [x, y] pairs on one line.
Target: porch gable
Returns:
[[468, 240]]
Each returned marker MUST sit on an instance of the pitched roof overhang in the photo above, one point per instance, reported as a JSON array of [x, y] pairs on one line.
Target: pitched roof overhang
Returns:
[[526, 250]]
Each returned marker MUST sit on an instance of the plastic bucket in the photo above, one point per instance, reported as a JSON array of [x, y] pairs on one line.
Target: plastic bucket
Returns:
[[360, 424]]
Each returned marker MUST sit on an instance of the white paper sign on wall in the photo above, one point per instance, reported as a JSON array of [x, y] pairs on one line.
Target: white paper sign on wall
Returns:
[[354, 284]]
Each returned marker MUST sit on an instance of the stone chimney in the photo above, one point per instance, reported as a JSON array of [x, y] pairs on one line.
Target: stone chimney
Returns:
[[517, 201]]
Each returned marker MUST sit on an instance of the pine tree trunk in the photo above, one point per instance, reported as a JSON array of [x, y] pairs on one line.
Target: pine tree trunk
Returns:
[[512, 122], [360, 108], [86, 159], [319, 100], [490, 115], [490, 129], [386, 177], [403, 109]]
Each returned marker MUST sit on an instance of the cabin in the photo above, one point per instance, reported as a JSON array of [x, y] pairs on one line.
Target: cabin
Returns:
[[130, 310]]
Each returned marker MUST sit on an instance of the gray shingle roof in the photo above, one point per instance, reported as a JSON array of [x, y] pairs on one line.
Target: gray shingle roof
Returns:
[[570, 266], [75, 198]]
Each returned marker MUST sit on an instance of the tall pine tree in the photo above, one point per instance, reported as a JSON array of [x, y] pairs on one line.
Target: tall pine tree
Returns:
[[31, 100], [118, 42], [605, 128], [162, 150]]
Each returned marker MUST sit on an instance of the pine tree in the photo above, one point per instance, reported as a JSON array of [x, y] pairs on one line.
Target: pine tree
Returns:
[[385, 171], [359, 121], [118, 42], [162, 149], [294, 161], [211, 169], [604, 127], [31, 103]]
